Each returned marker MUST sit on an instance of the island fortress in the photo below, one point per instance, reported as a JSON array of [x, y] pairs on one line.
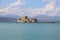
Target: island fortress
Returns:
[[26, 19]]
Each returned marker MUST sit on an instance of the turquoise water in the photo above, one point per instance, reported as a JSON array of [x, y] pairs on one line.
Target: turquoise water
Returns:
[[29, 31]]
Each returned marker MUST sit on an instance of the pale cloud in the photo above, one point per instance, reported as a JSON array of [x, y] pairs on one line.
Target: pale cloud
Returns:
[[44, 0], [49, 9], [15, 4], [12, 5]]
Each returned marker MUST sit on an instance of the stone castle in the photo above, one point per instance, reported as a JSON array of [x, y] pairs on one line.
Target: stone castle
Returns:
[[26, 19]]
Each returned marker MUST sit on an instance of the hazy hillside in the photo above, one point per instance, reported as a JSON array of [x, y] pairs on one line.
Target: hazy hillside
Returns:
[[48, 18], [6, 19]]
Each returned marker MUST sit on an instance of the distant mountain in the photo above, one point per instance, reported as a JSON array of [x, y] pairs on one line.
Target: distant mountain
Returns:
[[48, 18], [6, 19], [40, 18], [10, 16]]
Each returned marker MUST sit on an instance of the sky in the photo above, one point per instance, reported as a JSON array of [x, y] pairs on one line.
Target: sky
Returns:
[[30, 7]]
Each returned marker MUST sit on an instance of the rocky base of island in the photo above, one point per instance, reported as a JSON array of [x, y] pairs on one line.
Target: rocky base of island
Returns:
[[26, 19]]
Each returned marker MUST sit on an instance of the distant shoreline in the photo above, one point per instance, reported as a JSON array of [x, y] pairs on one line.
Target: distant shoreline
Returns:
[[29, 22]]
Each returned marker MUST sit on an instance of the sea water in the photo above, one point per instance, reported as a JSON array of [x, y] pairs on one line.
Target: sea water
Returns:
[[29, 31]]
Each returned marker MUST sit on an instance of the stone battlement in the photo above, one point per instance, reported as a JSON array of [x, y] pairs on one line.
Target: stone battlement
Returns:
[[26, 19]]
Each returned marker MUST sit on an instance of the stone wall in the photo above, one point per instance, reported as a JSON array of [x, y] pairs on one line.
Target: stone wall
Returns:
[[26, 19]]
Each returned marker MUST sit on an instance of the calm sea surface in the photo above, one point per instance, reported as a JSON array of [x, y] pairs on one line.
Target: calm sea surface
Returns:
[[29, 31]]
